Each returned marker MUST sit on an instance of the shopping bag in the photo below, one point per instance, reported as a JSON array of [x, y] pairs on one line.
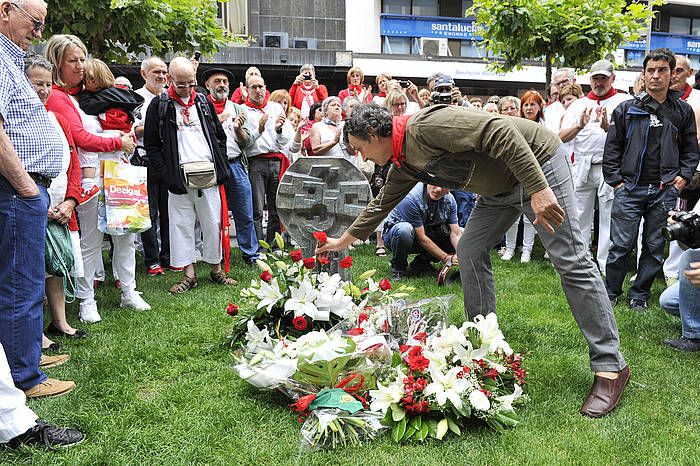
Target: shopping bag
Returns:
[[123, 199]]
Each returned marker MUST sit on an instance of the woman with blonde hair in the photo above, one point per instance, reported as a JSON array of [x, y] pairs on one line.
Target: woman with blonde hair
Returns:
[[282, 97], [381, 80], [356, 87]]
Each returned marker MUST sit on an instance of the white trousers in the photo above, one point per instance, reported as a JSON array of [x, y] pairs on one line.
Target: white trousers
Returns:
[[673, 260], [15, 417], [123, 258], [590, 187], [184, 210], [528, 235]]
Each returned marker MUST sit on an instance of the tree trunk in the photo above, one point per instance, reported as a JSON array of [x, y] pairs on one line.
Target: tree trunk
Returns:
[[548, 74]]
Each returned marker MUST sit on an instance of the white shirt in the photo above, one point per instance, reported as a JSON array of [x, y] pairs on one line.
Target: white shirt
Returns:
[[191, 143], [552, 116], [590, 141], [233, 150], [147, 97], [268, 141]]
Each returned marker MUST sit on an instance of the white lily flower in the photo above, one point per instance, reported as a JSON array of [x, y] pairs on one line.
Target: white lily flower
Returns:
[[268, 294], [491, 336], [302, 300], [385, 396], [479, 401], [447, 386], [507, 400], [257, 339], [320, 346], [329, 281], [449, 340]]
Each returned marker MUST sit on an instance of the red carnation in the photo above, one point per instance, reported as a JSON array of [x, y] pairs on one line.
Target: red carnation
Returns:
[[324, 260], [321, 236], [491, 374], [346, 263], [296, 255], [266, 276], [356, 331], [300, 323], [362, 317], [309, 262], [232, 309], [421, 336], [384, 284]]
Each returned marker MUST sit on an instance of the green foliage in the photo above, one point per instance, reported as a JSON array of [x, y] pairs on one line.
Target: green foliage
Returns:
[[117, 30], [571, 33]]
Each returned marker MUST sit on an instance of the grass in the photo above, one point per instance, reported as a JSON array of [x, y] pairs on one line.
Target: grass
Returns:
[[157, 387]]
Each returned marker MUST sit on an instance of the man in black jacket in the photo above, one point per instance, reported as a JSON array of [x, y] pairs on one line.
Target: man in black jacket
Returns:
[[186, 147], [651, 152]]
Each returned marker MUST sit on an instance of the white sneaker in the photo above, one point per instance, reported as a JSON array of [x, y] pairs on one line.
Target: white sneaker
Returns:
[[88, 312], [525, 257], [134, 300], [508, 255]]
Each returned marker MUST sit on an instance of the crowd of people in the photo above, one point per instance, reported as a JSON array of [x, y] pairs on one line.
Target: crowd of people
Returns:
[[213, 155]]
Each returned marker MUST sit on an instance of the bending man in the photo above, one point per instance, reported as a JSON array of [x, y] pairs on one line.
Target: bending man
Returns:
[[518, 167]]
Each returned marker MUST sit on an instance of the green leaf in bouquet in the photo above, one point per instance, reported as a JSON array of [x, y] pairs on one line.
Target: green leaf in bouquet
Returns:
[[416, 422], [432, 426], [399, 430], [508, 418], [493, 423], [262, 265], [397, 413], [441, 428], [280, 241], [410, 431], [367, 274], [422, 434], [264, 244], [465, 410], [453, 426], [323, 373], [395, 359]]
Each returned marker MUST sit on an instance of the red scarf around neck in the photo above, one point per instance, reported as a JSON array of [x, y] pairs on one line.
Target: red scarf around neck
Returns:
[[176, 98], [68, 90], [358, 90], [398, 130], [607, 95], [686, 92], [381, 94], [251, 104], [218, 105]]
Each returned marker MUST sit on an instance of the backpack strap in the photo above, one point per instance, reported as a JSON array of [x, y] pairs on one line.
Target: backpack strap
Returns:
[[163, 100]]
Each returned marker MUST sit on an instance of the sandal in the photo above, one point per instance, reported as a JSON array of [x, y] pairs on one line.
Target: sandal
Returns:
[[380, 251], [220, 278], [185, 284]]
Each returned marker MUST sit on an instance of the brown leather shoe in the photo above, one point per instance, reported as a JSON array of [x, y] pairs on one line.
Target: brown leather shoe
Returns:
[[605, 394], [50, 387], [47, 361]]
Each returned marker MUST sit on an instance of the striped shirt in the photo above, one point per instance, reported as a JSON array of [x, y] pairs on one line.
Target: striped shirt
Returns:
[[26, 121]]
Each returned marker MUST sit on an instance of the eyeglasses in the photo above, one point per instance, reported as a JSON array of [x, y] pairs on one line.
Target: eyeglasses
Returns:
[[38, 25], [562, 83], [185, 86]]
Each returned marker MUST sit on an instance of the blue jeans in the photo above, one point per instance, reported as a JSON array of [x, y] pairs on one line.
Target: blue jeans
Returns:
[[22, 278], [683, 299], [629, 207], [401, 239], [465, 204], [239, 195]]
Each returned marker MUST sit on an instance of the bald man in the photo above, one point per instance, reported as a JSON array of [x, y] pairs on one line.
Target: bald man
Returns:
[[182, 136]]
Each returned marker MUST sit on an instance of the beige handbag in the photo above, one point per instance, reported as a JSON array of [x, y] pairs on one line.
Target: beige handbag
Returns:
[[199, 175]]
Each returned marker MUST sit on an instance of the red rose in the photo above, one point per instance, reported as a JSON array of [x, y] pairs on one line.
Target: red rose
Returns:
[[421, 336], [404, 348], [384, 284], [300, 323], [309, 262], [356, 331], [324, 260], [321, 236], [362, 317], [346, 263], [231, 309], [266, 276], [296, 255]]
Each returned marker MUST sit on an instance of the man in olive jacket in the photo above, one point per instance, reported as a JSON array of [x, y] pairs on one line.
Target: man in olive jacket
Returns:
[[518, 167]]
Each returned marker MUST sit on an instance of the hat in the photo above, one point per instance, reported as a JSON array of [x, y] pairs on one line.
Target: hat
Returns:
[[604, 67], [443, 80], [209, 72]]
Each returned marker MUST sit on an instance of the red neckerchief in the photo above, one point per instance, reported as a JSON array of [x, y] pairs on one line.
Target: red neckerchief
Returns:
[[70, 91], [607, 95], [358, 90], [185, 111], [218, 105], [686, 91], [251, 104], [398, 129], [381, 94]]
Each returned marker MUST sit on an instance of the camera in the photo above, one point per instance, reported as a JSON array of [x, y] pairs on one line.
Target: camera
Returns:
[[686, 230], [307, 76], [444, 97], [404, 83], [197, 55]]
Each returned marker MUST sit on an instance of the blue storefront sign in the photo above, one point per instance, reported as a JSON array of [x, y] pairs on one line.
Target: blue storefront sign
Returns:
[[687, 45], [428, 26]]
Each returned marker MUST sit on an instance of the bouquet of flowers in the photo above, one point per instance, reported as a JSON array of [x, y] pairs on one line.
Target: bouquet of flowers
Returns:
[[446, 378]]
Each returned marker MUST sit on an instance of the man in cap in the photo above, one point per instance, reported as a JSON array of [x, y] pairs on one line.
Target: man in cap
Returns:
[[586, 124]]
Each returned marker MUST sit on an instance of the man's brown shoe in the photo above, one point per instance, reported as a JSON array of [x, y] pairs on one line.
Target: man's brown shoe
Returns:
[[605, 394], [50, 387], [52, 361]]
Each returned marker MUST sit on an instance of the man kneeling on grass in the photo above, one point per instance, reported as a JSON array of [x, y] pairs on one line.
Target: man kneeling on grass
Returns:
[[518, 167]]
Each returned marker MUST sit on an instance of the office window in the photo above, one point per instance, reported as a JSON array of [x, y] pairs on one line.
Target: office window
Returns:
[[694, 61], [679, 25], [634, 57], [472, 49], [392, 45], [695, 27], [396, 7], [425, 8]]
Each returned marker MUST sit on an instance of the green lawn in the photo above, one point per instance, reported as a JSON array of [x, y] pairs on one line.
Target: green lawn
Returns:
[[157, 387]]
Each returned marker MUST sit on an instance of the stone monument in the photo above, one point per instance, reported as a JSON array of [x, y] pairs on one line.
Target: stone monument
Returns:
[[321, 194]]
